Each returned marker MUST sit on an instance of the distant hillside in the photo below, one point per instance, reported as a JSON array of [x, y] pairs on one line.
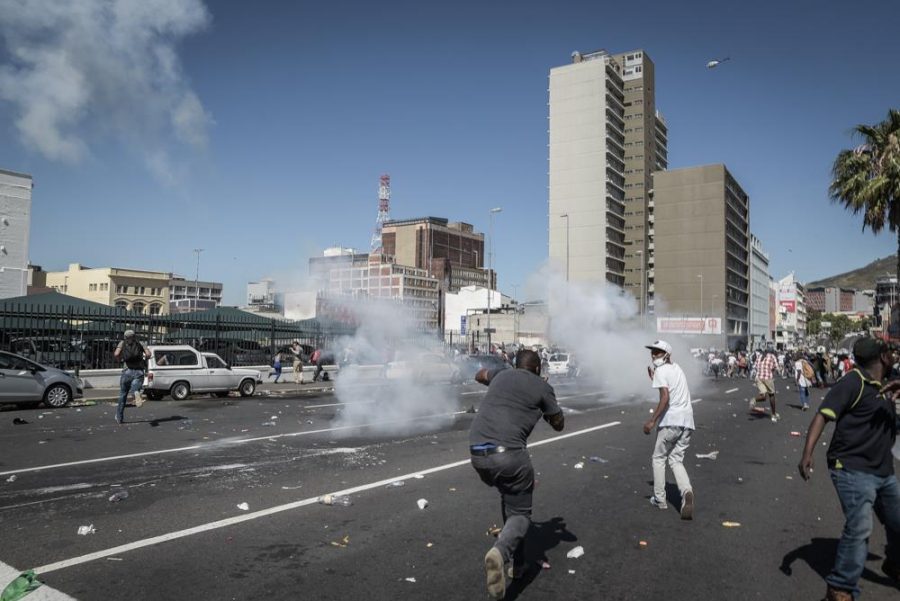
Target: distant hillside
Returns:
[[862, 278]]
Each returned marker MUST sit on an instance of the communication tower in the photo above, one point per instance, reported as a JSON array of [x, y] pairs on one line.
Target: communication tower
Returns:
[[384, 209]]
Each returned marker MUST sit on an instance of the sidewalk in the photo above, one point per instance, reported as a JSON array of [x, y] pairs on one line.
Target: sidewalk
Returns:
[[263, 390]]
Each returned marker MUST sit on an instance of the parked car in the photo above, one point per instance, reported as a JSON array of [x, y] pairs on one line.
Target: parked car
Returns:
[[428, 367], [181, 370], [237, 352], [470, 365], [25, 381], [560, 364], [49, 351]]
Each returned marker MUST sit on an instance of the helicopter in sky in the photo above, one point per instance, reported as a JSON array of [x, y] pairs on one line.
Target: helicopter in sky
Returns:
[[716, 62]]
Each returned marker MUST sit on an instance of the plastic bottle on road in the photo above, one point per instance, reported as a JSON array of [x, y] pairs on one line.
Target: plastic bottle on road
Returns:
[[118, 496]]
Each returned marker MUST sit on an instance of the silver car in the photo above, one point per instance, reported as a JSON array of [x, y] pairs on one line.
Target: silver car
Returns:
[[24, 381]]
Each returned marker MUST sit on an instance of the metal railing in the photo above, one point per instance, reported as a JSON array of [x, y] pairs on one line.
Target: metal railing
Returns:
[[74, 338]]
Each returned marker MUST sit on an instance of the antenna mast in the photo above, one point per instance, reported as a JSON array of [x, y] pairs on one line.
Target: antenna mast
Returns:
[[384, 208]]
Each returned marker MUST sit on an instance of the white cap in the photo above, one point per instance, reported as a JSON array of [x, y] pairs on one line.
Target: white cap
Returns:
[[661, 345]]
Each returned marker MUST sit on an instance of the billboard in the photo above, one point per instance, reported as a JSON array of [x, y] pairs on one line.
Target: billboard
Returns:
[[789, 305], [689, 325]]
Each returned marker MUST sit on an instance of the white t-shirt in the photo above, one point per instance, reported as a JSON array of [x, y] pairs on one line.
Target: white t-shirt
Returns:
[[732, 360], [680, 411], [798, 375]]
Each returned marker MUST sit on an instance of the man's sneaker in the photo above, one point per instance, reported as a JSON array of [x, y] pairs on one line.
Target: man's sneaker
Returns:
[[834, 594], [139, 400], [891, 570], [119, 420], [657, 503], [805, 407], [493, 570], [687, 505], [776, 417], [752, 404]]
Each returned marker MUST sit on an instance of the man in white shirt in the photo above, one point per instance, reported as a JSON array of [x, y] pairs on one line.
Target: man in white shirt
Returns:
[[674, 420], [803, 383]]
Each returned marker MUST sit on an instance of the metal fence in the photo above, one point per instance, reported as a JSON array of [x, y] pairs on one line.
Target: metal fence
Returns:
[[74, 338]]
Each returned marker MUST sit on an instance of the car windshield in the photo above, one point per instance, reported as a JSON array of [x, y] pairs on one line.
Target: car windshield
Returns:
[[559, 358]]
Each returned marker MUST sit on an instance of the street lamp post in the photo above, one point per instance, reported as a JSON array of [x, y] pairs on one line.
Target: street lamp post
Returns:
[[197, 251], [490, 269], [640, 254]]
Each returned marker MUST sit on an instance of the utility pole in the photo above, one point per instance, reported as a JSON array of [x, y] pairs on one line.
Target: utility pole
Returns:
[[197, 251], [490, 270]]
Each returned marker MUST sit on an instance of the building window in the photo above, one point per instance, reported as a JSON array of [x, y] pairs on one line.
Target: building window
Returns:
[[155, 309], [122, 304], [121, 289], [137, 307], [104, 286]]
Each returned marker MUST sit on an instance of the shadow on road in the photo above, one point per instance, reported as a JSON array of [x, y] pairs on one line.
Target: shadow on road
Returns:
[[154, 423], [819, 555], [542, 537]]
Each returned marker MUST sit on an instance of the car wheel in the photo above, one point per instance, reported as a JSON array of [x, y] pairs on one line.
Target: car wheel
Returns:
[[248, 387], [180, 391], [57, 396]]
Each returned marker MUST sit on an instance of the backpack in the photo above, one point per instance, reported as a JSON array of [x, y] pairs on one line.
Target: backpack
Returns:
[[132, 351], [807, 370]]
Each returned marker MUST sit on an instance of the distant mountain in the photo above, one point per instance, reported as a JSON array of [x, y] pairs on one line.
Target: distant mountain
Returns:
[[862, 278]]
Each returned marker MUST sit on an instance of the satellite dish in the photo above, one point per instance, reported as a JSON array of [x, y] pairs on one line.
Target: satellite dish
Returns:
[[716, 62]]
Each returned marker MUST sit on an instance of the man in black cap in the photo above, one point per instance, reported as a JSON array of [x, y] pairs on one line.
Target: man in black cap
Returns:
[[861, 464], [516, 399]]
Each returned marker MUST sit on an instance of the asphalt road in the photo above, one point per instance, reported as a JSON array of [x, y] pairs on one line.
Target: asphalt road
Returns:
[[187, 466]]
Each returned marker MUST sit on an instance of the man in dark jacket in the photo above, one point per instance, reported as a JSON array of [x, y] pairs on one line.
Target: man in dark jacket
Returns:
[[133, 354]]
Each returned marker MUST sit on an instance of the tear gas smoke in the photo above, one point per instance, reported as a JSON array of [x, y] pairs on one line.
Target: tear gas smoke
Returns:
[[601, 327], [396, 364]]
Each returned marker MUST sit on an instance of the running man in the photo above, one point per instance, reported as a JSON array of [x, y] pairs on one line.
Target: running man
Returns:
[[765, 383]]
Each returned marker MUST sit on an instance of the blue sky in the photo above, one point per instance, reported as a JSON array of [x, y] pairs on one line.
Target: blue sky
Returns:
[[305, 104]]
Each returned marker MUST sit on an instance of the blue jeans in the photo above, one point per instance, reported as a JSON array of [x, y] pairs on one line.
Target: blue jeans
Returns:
[[859, 494], [131, 381], [804, 395]]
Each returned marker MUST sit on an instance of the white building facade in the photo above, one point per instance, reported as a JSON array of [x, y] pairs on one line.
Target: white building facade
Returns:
[[15, 228], [586, 169], [790, 328], [759, 294]]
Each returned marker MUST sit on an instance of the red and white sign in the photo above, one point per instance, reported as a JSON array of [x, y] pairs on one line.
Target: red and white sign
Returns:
[[689, 325], [789, 305]]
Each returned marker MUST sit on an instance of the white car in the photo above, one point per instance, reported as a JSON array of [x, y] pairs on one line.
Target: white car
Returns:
[[181, 370], [428, 367], [558, 365]]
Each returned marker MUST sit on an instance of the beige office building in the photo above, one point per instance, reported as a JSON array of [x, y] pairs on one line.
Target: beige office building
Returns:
[[702, 218], [142, 291], [646, 151], [586, 168]]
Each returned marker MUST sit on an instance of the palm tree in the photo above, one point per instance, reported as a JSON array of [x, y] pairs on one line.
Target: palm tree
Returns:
[[867, 179]]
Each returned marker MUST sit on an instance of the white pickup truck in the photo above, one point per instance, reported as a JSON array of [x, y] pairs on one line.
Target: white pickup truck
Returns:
[[181, 370]]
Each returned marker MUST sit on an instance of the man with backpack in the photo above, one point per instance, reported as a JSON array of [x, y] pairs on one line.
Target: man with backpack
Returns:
[[134, 355], [804, 375], [861, 464]]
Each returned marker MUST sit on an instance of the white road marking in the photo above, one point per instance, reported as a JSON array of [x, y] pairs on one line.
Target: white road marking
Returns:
[[729, 391], [337, 404], [218, 443], [475, 392], [578, 396], [155, 540], [697, 401]]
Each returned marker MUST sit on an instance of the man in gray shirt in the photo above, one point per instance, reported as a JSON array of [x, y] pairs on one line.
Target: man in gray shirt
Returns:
[[515, 401]]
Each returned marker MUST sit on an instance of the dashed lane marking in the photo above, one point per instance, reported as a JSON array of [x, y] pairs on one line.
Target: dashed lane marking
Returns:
[[730, 390], [155, 540]]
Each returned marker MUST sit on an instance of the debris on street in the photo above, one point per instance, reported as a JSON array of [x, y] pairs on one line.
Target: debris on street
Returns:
[[579, 465], [493, 531], [795, 433], [596, 459], [642, 543], [712, 456], [396, 484], [343, 542], [545, 565], [85, 530], [117, 496], [731, 524], [410, 579], [576, 552], [343, 500], [18, 421], [243, 506], [422, 503], [12, 478]]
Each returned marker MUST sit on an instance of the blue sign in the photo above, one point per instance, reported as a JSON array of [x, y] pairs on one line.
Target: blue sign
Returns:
[[462, 324]]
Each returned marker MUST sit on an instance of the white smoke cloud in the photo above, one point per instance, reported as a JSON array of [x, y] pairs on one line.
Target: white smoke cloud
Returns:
[[601, 326], [79, 68]]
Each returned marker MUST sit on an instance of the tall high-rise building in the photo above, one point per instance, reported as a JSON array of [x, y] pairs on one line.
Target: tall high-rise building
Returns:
[[646, 151], [587, 168], [15, 228], [703, 249], [760, 333]]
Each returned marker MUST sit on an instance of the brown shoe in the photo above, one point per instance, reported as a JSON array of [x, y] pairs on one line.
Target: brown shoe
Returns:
[[493, 569], [687, 505], [835, 594]]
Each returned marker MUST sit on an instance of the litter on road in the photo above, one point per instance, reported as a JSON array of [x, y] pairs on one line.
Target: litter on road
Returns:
[[118, 496], [268, 424], [410, 579], [576, 552], [493, 531], [18, 421], [598, 460], [579, 465], [243, 506], [12, 478], [85, 530], [343, 500], [571, 571], [642, 543], [422, 503], [795, 433], [731, 524], [712, 456], [545, 565], [396, 484]]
